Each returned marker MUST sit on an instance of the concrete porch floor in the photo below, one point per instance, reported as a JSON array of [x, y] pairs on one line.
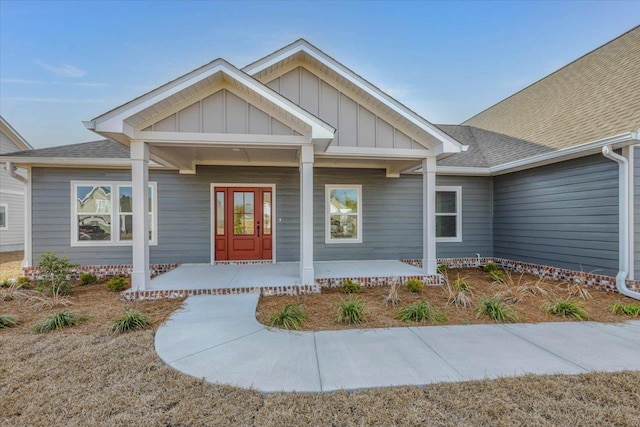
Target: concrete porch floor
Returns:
[[206, 276]]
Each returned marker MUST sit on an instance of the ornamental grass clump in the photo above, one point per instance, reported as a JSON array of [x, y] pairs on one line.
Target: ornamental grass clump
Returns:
[[62, 319], [414, 285], [496, 310], [491, 266], [351, 312], [350, 287], [566, 308], [292, 316], [8, 321], [631, 309], [131, 321], [497, 276], [458, 292], [442, 268], [117, 284], [420, 311], [393, 297]]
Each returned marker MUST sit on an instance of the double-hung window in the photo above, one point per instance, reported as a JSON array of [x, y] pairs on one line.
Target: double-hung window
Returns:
[[449, 214], [102, 213], [343, 218], [4, 218]]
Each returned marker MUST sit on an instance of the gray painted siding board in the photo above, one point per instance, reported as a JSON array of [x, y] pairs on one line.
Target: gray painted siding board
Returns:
[[184, 214], [563, 214], [636, 211]]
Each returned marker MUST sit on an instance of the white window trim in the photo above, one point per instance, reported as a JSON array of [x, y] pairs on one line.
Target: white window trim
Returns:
[[115, 214], [458, 214], [6, 216], [327, 214]]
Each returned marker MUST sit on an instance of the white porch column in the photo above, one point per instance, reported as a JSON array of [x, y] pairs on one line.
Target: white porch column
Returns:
[[140, 276], [429, 263], [306, 215]]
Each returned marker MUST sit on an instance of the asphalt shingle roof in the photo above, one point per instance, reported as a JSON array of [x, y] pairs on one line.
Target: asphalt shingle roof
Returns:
[[104, 149], [594, 97]]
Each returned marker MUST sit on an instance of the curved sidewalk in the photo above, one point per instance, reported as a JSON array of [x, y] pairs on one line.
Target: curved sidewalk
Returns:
[[219, 339]]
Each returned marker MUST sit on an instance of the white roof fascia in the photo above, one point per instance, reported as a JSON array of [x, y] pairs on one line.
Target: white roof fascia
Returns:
[[14, 136], [449, 144], [319, 129], [461, 170], [73, 162], [565, 153]]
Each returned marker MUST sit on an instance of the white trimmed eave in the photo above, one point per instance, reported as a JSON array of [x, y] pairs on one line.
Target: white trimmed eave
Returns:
[[14, 136], [446, 144], [594, 147], [80, 162], [115, 122]]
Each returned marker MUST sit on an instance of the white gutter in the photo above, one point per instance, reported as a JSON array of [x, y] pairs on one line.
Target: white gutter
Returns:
[[623, 227], [11, 170]]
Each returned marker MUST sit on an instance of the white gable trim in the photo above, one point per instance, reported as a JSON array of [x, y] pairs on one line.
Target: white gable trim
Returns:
[[114, 122], [448, 144], [14, 136]]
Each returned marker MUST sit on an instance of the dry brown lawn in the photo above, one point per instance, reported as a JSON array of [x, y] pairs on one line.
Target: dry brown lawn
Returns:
[[10, 264], [89, 376], [322, 308]]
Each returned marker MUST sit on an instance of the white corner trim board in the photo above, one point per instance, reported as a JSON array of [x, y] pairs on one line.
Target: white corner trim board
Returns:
[[623, 218]]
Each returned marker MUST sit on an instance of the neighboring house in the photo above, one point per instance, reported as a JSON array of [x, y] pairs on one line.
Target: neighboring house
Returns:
[[297, 158], [12, 192]]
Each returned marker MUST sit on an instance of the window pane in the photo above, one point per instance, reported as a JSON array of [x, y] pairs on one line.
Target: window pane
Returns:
[[446, 202], [150, 198], [3, 217], [151, 226], [220, 213], [243, 217], [93, 199], [343, 200], [124, 199], [344, 226], [266, 207], [126, 227], [446, 226], [94, 227]]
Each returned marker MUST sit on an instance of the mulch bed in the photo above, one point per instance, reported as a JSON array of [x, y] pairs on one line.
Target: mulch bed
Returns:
[[322, 308]]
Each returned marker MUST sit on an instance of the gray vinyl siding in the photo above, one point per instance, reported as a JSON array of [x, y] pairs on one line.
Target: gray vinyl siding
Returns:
[[184, 224], [636, 210], [392, 214], [11, 194], [477, 224], [563, 215]]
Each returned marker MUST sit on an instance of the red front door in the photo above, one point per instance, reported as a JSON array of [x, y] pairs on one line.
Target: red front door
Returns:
[[243, 223]]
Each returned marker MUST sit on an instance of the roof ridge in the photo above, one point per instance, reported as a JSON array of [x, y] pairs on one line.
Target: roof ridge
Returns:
[[551, 74]]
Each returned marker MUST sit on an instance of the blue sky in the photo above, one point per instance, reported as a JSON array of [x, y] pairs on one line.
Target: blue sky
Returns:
[[64, 62]]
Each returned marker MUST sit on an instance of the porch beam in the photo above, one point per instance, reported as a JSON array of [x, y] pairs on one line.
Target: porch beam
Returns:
[[306, 215], [140, 276], [429, 263], [221, 139]]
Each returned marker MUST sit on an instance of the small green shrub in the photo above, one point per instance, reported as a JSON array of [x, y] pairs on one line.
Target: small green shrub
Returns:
[[491, 266], [566, 308], [442, 268], [414, 285], [8, 321], [631, 309], [496, 310], [420, 311], [88, 278], [131, 321], [351, 311], [54, 274], [62, 319], [5, 283], [497, 276], [117, 284], [350, 287], [292, 316], [20, 282]]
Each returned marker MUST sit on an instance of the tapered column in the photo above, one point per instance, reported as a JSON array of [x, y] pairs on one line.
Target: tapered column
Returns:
[[429, 263], [306, 215], [140, 276]]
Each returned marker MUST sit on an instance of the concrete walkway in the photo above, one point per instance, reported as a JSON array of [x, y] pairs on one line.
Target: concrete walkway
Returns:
[[219, 339]]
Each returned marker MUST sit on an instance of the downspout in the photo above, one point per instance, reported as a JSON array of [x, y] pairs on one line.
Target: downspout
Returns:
[[623, 218], [11, 170]]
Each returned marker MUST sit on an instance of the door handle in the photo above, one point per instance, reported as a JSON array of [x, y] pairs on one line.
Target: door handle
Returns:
[[258, 230]]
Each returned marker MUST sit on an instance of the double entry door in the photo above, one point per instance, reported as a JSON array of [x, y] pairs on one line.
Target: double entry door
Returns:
[[243, 223]]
